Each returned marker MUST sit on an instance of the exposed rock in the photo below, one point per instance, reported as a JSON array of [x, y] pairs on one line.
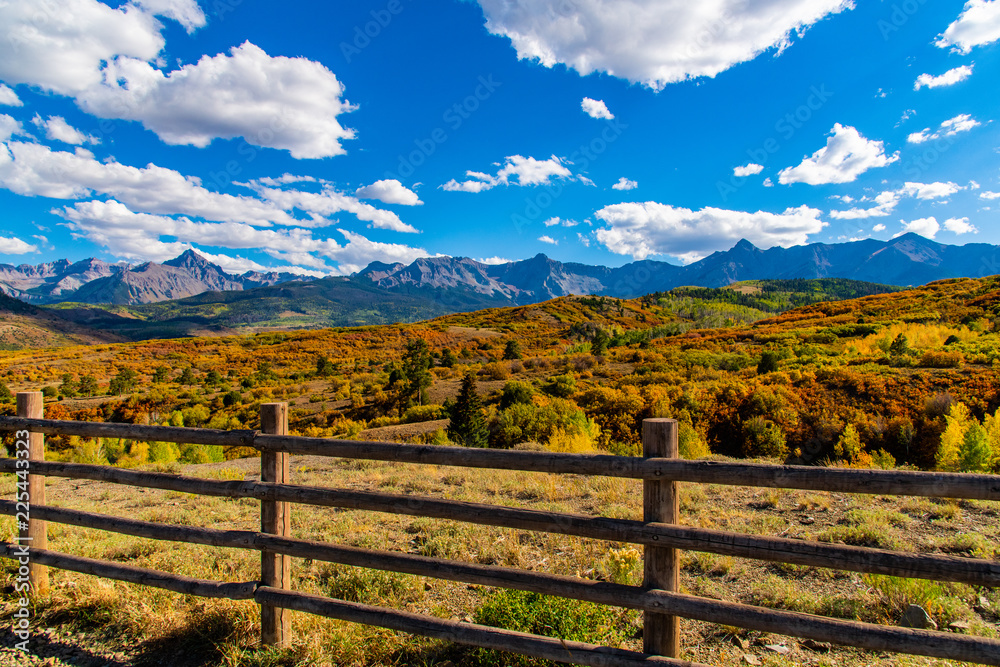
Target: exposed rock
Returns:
[[916, 616]]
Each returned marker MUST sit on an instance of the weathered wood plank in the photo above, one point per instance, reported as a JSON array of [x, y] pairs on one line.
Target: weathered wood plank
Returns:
[[977, 572], [31, 405], [849, 633], [197, 436], [546, 648], [275, 519], [136, 575], [661, 634], [808, 478]]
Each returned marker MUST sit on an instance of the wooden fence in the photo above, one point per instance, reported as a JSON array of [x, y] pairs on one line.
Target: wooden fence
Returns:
[[659, 533]]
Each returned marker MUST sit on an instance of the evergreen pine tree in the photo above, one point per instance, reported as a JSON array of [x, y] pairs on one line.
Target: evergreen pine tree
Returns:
[[468, 423]]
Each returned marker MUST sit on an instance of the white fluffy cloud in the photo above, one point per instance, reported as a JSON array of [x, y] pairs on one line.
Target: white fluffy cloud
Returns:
[[885, 202], [949, 78], [389, 191], [846, 156], [274, 102], [57, 129], [552, 222], [960, 226], [36, 170], [104, 58], [651, 228], [185, 12], [949, 128], [548, 239], [978, 24], [653, 42], [15, 246], [8, 98], [937, 190], [625, 184], [139, 236], [986, 194], [493, 261], [62, 46], [748, 169], [878, 228], [596, 109], [9, 126], [527, 171], [926, 227]]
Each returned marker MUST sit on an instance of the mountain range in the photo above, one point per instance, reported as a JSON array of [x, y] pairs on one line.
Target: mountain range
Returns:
[[95, 281], [437, 285]]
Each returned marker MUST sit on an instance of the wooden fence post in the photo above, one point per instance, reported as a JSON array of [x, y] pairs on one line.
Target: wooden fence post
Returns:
[[275, 518], [31, 405], [661, 634]]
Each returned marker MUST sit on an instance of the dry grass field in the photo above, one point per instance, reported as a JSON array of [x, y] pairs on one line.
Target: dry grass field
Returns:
[[87, 621]]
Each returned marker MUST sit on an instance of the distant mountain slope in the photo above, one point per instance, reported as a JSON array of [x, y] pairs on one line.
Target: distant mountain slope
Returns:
[[291, 305], [337, 302], [93, 281], [24, 326], [456, 284], [907, 260]]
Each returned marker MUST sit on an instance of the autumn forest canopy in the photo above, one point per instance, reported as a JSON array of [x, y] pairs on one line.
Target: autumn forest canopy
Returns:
[[827, 372]]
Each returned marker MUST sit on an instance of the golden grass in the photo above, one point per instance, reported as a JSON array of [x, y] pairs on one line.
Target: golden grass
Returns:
[[150, 623]]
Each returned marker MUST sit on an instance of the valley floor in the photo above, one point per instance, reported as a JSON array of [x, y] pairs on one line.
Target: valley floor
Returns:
[[91, 622]]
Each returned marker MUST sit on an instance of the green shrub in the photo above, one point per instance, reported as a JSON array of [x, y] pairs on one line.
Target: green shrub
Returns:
[[423, 413], [549, 616]]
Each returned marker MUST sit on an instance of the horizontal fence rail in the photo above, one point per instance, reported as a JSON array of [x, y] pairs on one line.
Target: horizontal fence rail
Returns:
[[659, 533], [977, 572], [805, 478], [795, 624]]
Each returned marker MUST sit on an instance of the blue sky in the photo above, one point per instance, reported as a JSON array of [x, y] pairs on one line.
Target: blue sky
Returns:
[[319, 136]]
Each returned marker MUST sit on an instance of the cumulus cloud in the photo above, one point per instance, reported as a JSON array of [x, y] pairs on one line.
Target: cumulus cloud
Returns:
[[8, 98], [596, 109], [61, 47], [978, 24], [9, 126], [937, 190], [625, 184], [878, 228], [960, 226], [15, 246], [140, 236], [886, 202], [652, 42], [846, 156], [748, 169], [548, 239], [949, 128], [651, 228], [949, 78], [185, 12], [494, 260], [986, 194], [389, 191], [273, 102], [36, 170], [552, 222], [57, 129], [527, 171], [926, 227]]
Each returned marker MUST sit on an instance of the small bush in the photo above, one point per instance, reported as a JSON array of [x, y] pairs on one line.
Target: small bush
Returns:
[[423, 413], [932, 359], [550, 616]]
